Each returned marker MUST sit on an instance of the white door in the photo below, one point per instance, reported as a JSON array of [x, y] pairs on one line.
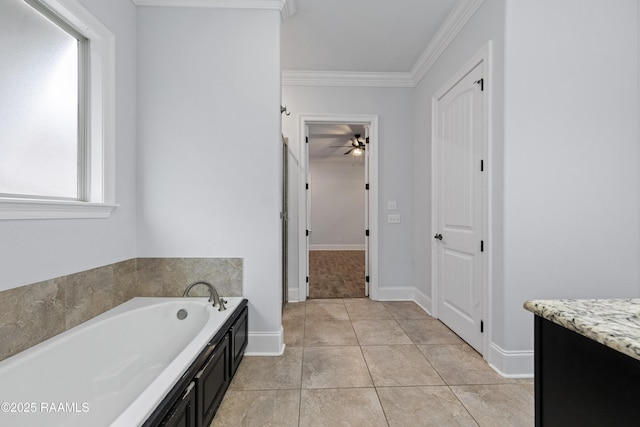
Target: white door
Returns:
[[459, 207]]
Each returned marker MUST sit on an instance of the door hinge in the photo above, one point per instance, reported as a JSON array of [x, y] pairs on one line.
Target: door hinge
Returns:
[[306, 139], [366, 279], [481, 245], [366, 232], [307, 232], [367, 140], [481, 83], [481, 326], [307, 185], [307, 279], [481, 165], [366, 186]]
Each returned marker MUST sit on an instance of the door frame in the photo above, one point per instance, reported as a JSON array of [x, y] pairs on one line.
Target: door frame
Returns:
[[484, 58], [304, 120]]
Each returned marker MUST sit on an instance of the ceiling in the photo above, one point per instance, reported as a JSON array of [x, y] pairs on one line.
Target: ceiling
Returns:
[[360, 35], [357, 36]]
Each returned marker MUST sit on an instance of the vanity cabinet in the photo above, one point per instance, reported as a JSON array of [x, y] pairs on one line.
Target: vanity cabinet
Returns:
[[587, 362], [580, 382], [195, 399]]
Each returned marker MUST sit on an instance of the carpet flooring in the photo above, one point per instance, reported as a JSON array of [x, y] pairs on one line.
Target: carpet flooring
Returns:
[[336, 274]]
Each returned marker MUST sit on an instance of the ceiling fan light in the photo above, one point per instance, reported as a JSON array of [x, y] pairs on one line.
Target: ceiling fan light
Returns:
[[358, 152]]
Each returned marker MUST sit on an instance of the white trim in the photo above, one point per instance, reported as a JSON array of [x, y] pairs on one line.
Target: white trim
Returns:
[[423, 300], [372, 120], [101, 139], [511, 364], [265, 343], [388, 293], [449, 29], [452, 25], [45, 209], [344, 78], [485, 57], [286, 7], [357, 247], [293, 294]]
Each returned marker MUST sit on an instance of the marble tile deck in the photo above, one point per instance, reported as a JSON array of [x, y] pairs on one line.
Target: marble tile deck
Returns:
[[336, 372]]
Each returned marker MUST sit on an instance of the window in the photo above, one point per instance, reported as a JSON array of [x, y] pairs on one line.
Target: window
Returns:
[[56, 111]]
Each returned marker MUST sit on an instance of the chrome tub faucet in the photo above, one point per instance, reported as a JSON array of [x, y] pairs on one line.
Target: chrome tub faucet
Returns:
[[213, 294]]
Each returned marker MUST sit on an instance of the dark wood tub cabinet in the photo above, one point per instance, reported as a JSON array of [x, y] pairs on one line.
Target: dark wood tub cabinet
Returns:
[[194, 400]]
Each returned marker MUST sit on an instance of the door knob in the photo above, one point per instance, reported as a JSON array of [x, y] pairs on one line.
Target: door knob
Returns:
[[438, 236]]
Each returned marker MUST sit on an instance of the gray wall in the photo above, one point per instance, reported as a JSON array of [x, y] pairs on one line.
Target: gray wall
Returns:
[[209, 146], [337, 204], [563, 158], [394, 109], [37, 250]]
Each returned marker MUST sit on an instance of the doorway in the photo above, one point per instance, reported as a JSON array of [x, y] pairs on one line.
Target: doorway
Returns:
[[337, 200], [366, 223], [460, 201]]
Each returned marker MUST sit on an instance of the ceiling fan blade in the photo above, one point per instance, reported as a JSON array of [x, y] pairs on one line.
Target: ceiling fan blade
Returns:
[[349, 151]]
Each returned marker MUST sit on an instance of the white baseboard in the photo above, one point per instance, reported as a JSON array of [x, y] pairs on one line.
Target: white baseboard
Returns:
[[396, 294], [293, 295], [265, 343], [511, 364], [336, 247], [423, 300]]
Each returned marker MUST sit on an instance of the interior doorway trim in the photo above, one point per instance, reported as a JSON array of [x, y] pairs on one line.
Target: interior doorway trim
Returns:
[[484, 58], [304, 120]]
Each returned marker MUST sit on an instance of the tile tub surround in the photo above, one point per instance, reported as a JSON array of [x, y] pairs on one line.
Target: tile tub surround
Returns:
[[614, 323], [36, 312]]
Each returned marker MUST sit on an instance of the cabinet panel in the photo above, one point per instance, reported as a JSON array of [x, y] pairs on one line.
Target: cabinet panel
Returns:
[[580, 382], [239, 333], [212, 381], [183, 414]]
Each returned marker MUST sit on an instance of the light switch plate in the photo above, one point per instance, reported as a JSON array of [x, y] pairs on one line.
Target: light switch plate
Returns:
[[392, 205], [393, 218]]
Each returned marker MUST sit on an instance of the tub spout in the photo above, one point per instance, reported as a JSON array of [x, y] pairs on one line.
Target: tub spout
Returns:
[[213, 294]]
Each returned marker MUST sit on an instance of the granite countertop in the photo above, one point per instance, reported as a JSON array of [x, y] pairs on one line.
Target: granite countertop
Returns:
[[612, 322]]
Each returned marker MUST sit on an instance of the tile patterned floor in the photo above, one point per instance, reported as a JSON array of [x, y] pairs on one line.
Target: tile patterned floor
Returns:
[[357, 362], [336, 274]]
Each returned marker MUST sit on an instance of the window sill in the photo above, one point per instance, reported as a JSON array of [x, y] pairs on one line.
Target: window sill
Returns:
[[50, 209]]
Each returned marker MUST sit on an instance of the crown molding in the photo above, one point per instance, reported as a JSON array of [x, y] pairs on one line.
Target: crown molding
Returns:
[[285, 7], [455, 22], [346, 78], [449, 29]]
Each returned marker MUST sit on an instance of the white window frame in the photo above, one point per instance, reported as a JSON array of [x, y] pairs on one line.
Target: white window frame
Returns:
[[100, 123]]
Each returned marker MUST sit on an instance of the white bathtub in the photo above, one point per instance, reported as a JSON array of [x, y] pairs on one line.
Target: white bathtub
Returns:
[[113, 370]]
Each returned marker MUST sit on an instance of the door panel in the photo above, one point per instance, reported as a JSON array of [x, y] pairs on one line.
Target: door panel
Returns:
[[459, 150]]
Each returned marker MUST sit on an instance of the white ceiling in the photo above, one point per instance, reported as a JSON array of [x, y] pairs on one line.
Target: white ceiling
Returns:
[[357, 36], [360, 35]]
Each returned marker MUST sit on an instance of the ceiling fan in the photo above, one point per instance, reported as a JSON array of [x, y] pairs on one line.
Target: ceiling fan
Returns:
[[358, 145]]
